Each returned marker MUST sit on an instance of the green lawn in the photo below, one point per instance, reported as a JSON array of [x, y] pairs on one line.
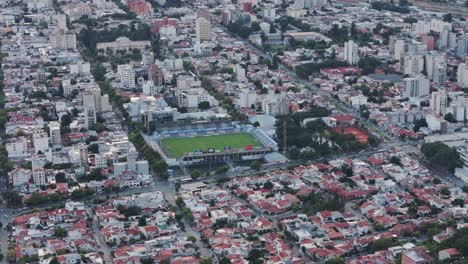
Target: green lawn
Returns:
[[176, 147]]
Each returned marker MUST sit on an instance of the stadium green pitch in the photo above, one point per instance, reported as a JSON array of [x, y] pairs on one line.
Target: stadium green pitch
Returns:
[[177, 147]]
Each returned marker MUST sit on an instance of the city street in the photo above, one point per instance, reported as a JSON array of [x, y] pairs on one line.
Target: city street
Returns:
[[5, 218]]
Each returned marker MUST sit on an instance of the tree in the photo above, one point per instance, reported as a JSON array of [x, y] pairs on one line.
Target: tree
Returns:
[[410, 20], [256, 124], [447, 17], [99, 127], [36, 199], [161, 167], [224, 260], [142, 221], [382, 243], [192, 239], [195, 174], [458, 202], [459, 241], [66, 120], [147, 261], [205, 260], [347, 170], [93, 148], [335, 260], [404, 3], [60, 232], [272, 28], [450, 118], [465, 189], [369, 64], [395, 160], [255, 26], [81, 193], [275, 63], [444, 191], [436, 181], [60, 177], [99, 72], [204, 105], [222, 169], [96, 175], [12, 198], [268, 185], [129, 211], [364, 111], [419, 123], [255, 165], [441, 155], [256, 256], [54, 261]]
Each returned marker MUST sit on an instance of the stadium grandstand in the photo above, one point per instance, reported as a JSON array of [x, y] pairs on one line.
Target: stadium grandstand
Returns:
[[210, 142]]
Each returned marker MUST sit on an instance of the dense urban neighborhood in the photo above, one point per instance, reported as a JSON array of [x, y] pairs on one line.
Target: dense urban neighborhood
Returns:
[[233, 131]]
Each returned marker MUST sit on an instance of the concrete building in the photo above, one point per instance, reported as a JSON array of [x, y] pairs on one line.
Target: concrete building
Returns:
[[149, 88], [62, 22], [125, 44], [247, 98], [162, 22], [203, 29], [275, 104], [203, 11], [147, 58], [156, 74], [438, 102], [92, 99], [67, 87], [19, 176], [64, 40], [416, 86], [416, 256], [100, 161], [351, 52], [80, 68], [462, 150], [398, 48], [90, 117], [140, 7], [149, 108], [462, 75], [299, 4], [462, 45], [17, 147], [40, 142], [429, 41], [269, 12], [439, 73], [190, 98], [357, 101], [412, 64], [131, 165], [436, 122], [126, 73], [240, 73], [55, 136], [425, 26], [459, 108], [39, 4], [38, 171], [442, 42]]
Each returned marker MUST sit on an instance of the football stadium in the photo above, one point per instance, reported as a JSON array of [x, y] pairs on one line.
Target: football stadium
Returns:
[[210, 142]]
